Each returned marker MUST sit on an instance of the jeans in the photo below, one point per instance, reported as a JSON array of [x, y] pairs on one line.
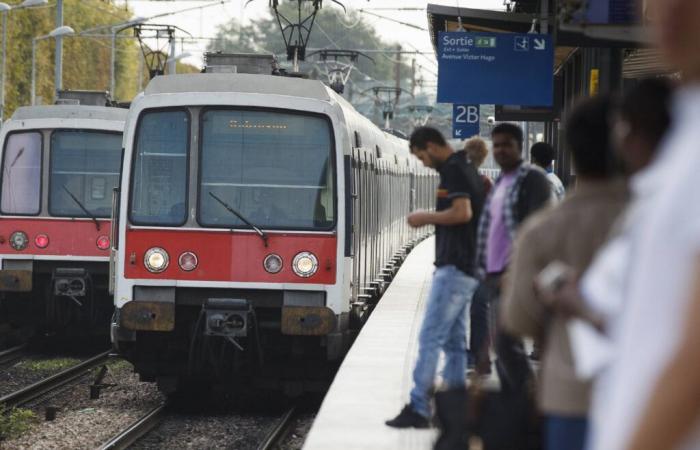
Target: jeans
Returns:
[[565, 433], [444, 328]]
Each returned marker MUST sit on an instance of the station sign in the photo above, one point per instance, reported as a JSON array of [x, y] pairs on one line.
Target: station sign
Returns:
[[465, 121], [495, 68], [609, 12]]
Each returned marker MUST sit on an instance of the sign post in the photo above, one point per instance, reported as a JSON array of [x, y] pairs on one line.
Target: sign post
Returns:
[[465, 121], [495, 68]]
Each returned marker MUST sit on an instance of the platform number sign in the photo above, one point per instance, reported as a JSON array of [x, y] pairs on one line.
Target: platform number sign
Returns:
[[465, 121]]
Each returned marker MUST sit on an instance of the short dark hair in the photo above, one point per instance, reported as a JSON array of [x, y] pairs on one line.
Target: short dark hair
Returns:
[[543, 154], [510, 129], [588, 137], [421, 136], [647, 108]]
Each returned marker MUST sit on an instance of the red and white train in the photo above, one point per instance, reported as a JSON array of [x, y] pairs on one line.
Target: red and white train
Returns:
[[259, 218], [60, 165]]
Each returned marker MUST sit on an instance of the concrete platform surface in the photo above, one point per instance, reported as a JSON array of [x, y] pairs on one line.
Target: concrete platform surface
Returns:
[[374, 380]]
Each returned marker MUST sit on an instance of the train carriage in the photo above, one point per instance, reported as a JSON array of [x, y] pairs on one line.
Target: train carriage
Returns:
[[259, 218], [60, 164]]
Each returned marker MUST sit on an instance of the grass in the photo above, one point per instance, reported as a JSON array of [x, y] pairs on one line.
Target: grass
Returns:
[[15, 422], [48, 365]]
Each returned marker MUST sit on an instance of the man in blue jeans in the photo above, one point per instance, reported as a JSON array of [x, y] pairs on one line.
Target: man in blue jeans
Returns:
[[459, 200]]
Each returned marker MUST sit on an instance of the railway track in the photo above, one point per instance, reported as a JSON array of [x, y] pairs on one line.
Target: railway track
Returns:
[[60, 379], [148, 422], [11, 355]]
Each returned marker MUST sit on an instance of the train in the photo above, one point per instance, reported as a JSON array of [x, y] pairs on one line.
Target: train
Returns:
[[60, 165], [258, 221]]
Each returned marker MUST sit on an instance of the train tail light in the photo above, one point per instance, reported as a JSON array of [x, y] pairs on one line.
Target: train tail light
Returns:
[[187, 261], [103, 243], [41, 241]]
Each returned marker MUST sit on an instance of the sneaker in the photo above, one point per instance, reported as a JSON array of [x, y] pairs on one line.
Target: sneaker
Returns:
[[408, 418]]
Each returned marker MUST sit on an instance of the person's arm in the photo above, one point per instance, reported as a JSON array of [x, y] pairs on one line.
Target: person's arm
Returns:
[[674, 406], [538, 192], [522, 313], [458, 213]]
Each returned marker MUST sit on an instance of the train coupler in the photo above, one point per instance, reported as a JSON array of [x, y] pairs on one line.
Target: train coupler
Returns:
[[70, 282]]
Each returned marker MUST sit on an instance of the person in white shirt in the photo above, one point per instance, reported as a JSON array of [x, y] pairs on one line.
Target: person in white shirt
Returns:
[[542, 155], [654, 388]]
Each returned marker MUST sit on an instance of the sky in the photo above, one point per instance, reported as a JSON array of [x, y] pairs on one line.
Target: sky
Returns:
[[203, 22]]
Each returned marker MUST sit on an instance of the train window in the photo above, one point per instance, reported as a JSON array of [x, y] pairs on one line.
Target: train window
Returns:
[[274, 168], [159, 176], [84, 168], [21, 174]]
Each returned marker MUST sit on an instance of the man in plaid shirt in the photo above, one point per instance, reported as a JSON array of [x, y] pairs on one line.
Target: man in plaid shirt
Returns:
[[520, 190]]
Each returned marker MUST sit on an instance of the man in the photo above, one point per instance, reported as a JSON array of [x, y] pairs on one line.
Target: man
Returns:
[[459, 199], [542, 155], [520, 190], [570, 233]]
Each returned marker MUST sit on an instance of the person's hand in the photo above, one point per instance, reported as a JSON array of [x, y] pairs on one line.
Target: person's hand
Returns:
[[417, 219], [567, 301]]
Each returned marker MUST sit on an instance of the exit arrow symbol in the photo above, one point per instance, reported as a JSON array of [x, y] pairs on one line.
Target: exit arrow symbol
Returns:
[[540, 44], [459, 133]]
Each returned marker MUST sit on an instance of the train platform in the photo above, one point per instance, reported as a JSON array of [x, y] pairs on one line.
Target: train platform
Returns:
[[374, 380]]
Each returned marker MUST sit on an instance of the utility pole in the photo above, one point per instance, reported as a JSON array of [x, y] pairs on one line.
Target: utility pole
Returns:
[[413, 77], [398, 76], [59, 49], [172, 62]]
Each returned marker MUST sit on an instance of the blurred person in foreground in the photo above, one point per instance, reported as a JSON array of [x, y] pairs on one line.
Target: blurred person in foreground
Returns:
[[569, 233], [653, 383], [476, 151], [459, 200], [521, 190], [542, 155]]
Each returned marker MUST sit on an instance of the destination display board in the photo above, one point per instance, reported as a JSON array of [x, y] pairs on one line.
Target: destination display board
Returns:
[[495, 68]]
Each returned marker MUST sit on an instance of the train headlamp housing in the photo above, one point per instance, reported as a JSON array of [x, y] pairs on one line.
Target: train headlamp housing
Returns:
[[156, 260], [188, 261], [19, 240], [305, 264], [273, 263]]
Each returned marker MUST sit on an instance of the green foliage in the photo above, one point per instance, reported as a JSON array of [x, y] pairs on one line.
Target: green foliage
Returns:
[[48, 365], [15, 422], [86, 60]]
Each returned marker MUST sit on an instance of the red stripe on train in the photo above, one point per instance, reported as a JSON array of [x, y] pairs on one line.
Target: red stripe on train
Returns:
[[67, 237], [234, 257]]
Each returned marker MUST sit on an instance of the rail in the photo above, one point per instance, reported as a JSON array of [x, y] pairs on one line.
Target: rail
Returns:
[[136, 430], [277, 432], [42, 387], [12, 354]]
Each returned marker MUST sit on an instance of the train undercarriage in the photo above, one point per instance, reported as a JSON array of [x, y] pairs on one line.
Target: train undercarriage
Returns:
[[232, 339]]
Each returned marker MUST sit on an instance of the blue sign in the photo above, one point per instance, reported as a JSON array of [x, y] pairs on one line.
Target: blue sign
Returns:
[[465, 121], [495, 69], [618, 12]]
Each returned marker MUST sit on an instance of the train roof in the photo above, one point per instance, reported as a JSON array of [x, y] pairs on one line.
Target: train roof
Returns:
[[70, 112], [244, 83]]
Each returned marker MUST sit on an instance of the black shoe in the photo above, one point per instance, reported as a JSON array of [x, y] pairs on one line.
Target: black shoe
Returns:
[[408, 418]]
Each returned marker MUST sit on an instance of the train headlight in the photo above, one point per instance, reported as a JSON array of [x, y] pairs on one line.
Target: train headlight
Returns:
[[19, 240], [305, 264], [188, 261], [272, 263], [156, 260]]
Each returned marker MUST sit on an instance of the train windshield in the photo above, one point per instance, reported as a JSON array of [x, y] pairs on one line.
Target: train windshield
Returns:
[[21, 174], [275, 169], [84, 169], [159, 189]]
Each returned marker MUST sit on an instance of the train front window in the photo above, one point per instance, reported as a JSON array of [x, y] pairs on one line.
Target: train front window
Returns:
[[273, 168], [159, 176], [84, 169], [21, 174]]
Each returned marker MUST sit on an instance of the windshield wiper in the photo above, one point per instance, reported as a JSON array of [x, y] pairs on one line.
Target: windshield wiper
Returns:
[[19, 154], [85, 210], [228, 207]]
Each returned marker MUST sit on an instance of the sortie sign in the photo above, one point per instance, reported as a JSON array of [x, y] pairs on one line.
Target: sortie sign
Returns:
[[495, 69]]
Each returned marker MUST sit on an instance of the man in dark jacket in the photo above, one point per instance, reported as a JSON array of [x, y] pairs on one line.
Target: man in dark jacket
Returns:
[[520, 190]]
